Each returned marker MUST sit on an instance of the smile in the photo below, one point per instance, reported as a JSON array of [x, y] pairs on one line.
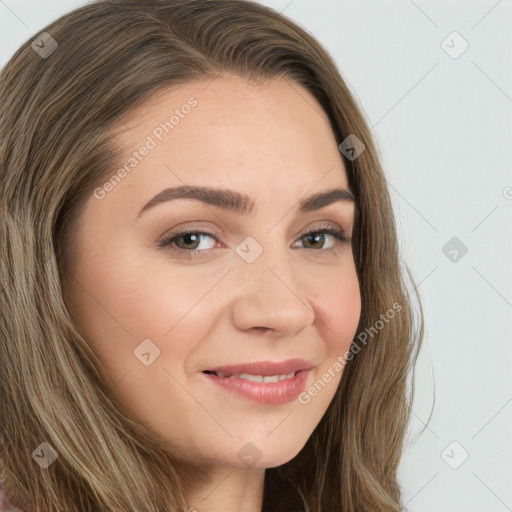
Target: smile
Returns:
[[263, 389]]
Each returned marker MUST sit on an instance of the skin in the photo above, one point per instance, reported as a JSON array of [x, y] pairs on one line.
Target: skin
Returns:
[[272, 142]]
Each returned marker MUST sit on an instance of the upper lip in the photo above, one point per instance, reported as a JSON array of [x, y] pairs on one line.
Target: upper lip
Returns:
[[266, 368]]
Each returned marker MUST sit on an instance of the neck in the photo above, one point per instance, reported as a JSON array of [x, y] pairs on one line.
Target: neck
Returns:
[[229, 489]]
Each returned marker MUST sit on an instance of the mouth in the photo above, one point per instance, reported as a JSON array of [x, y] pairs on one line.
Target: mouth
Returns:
[[253, 378], [271, 383], [281, 370]]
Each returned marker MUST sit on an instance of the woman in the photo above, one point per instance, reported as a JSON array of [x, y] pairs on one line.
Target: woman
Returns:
[[261, 372]]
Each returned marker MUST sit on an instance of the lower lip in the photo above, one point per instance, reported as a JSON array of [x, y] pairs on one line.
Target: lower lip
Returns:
[[269, 393]]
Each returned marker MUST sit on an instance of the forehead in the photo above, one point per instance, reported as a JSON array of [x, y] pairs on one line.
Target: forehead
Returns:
[[229, 130]]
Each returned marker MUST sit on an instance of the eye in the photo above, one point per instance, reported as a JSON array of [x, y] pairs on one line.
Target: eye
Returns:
[[188, 241], [318, 235]]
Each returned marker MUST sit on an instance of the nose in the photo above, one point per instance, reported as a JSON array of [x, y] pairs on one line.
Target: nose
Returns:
[[270, 296]]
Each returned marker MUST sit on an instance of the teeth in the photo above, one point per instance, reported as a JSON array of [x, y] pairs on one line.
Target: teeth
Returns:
[[266, 378], [256, 378]]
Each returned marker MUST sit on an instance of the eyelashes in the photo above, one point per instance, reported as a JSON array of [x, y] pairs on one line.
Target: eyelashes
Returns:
[[172, 241]]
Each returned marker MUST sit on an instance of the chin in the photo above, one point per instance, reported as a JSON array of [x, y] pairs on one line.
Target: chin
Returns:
[[268, 454]]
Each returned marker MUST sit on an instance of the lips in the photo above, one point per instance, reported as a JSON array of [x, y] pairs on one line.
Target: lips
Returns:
[[263, 368], [265, 382]]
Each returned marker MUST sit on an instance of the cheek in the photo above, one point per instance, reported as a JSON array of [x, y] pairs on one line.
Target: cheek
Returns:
[[338, 309], [166, 301], [123, 293]]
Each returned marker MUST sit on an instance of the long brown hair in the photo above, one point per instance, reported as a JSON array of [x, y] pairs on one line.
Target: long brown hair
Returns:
[[57, 115]]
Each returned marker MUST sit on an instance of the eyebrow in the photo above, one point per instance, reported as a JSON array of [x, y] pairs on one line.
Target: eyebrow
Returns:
[[241, 203]]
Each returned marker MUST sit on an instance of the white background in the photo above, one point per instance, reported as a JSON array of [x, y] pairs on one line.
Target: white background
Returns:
[[443, 126]]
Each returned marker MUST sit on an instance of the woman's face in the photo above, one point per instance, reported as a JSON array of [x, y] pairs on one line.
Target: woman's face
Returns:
[[246, 285]]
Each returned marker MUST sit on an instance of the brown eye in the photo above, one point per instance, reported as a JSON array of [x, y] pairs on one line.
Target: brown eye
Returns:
[[315, 239], [189, 239], [186, 241]]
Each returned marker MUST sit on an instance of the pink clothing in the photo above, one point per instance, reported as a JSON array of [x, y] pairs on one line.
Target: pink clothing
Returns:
[[5, 500]]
